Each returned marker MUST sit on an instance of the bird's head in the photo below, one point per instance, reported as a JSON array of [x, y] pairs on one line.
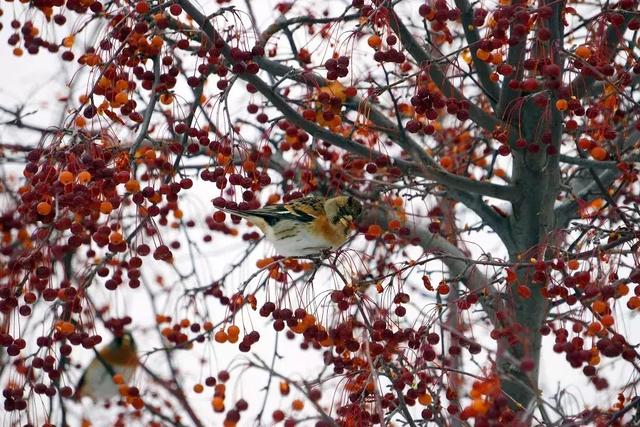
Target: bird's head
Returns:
[[345, 209], [123, 341]]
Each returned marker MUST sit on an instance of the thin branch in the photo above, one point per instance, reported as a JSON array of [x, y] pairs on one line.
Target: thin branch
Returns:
[[485, 120], [144, 126], [582, 85]]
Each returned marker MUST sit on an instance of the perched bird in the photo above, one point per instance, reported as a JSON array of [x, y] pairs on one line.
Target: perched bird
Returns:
[[119, 357], [305, 226]]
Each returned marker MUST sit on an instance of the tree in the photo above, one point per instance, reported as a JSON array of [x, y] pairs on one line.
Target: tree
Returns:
[[459, 126]]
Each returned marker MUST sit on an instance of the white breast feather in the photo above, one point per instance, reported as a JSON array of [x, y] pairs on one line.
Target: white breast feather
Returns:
[[290, 238]]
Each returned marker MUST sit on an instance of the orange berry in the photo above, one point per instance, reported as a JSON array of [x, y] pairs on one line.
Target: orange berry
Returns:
[[106, 207], [425, 399], [166, 99], [262, 263], [185, 323], [573, 264], [374, 230], [607, 320], [633, 303], [446, 162], [622, 290], [599, 306], [585, 144], [124, 391], [374, 41], [249, 166], [221, 336], [18, 51], [137, 403], [298, 328], [394, 224], [104, 82], [142, 7], [121, 98], [157, 42], [218, 404], [562, 104], [297, 405], [118, 379], [284, 388], [208, 326], [583, 52], [43, 208], [84, 177], [65, 177], [132, 186], [482, 54], [65, 328], [599, 153], [233, 331], [198, 388], [309, 320], [150, 155], [116, 238], [594, 328], [68, 41], [80, 122], [122, 85]]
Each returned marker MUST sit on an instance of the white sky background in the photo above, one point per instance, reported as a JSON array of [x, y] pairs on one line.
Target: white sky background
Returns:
[[37, 82]]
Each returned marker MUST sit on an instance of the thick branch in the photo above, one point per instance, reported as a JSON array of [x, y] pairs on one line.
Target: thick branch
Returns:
[[473, 37], [514, 57]]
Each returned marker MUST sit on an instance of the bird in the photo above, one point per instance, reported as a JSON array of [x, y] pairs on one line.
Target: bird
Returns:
[[118, 357], [306, 226]]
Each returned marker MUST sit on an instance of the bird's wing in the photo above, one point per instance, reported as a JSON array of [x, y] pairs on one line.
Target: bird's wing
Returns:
[[309, 206], [302, 210], [94, 373]]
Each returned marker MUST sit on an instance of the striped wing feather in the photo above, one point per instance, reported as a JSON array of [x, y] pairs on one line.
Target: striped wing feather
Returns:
[[302, 210]]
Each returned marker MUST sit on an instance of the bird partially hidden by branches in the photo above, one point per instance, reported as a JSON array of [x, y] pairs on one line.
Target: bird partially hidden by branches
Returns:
[[306, 226], [113, 364]]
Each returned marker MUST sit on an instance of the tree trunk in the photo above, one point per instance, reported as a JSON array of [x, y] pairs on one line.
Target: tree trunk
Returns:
[[536, 176]]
